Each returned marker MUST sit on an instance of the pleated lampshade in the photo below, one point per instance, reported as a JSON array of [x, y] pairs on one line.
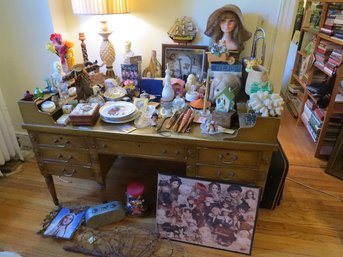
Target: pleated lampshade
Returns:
[[94, 7]]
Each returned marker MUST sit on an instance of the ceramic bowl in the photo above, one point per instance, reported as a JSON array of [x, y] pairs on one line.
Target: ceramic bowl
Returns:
[[48, 106]]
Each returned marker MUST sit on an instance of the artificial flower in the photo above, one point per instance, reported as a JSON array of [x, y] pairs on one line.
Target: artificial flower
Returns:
[[59, 47]]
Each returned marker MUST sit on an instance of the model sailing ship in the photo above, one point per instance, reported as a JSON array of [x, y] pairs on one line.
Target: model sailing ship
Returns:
[[183, 30]]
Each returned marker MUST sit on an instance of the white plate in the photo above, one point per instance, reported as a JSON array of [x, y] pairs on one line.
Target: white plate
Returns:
[[117, 110], [133, 117]]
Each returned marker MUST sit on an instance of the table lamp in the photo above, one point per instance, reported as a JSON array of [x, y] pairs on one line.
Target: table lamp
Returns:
[[102, 7]]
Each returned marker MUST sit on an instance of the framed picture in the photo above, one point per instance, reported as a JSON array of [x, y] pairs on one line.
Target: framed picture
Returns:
[[208, 213], [64, 224], [131, 72], [184, 60]]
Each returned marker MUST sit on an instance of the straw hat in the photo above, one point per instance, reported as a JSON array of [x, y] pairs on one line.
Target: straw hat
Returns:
[[213, 21]]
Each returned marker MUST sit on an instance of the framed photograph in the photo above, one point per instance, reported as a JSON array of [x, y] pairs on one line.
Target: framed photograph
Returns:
[[184, 60], [131, 72], [208, 213], [64, 224]]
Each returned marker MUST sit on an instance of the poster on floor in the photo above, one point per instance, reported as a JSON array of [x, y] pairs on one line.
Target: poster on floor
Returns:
[[207, 213]]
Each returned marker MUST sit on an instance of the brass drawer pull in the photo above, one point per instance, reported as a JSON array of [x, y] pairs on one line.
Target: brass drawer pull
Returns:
[[66, 174], [219, 173], [56, 141], [70, 157], [230, 161], [60, 156], [230, 174], [67, 142], [164, 151], [104, 145]]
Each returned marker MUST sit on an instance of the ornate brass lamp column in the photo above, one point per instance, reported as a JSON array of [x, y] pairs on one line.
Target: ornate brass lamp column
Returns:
[[107, 52]]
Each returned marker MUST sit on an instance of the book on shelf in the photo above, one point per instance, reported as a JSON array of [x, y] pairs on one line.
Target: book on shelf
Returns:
[[320, 113], [294, 88], [309, 102], [339, 98], [312, 133]]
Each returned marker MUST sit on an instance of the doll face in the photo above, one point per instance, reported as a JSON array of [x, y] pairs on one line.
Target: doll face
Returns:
[[234, 194], [174, 184], [250, 194], [67, 220], [228, 23], [215, 188]]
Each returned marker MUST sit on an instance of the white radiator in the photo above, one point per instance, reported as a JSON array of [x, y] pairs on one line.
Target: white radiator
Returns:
[[9, 147]]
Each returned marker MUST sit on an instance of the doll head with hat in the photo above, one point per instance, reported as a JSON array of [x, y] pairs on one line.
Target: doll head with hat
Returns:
[[225, 27]]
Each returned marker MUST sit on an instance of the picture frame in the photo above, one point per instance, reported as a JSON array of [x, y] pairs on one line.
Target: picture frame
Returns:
[[184, 60], [131, 72], [208, 213], [64, 224]]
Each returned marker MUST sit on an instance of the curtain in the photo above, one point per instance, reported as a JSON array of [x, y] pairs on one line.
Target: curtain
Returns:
[[9, 147]]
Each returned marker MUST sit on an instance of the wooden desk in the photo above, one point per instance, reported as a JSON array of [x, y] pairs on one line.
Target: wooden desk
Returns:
[[89, 152]]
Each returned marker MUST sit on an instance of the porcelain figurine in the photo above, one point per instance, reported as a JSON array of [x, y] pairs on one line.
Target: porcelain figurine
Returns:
[[58, 73], [191, 84], [167, 92], [128, 52]]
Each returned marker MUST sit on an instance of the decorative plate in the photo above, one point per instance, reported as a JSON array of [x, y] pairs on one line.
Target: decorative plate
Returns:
[[117, 110], [130, 118]]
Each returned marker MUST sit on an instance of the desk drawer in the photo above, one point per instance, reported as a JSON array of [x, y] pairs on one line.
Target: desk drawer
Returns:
[[250, 176], [141, 149], [62, 141], [229, 157], [67, 170], [64, 155]]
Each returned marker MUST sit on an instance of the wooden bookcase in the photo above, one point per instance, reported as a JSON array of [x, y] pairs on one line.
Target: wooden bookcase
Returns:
[[325, 132]]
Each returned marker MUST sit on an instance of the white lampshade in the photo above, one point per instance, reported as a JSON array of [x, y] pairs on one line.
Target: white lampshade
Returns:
[[92, 7]]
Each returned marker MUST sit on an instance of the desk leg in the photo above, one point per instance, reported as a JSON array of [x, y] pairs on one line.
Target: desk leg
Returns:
[[102, 187], [51, 186]]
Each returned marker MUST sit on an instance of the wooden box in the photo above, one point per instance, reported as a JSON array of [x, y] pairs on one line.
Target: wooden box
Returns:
[[84, 114], [223, 119]]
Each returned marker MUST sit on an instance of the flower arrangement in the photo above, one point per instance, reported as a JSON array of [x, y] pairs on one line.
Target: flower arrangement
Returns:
[[218, 49], [62, 49]]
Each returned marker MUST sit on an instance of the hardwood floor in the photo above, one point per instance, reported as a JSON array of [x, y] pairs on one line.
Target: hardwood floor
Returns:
[[307, 223]]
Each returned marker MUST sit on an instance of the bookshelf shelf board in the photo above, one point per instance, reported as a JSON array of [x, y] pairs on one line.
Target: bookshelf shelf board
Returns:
[[301, 82], [331, 39], [302, 53], [333, 1], [322, 70], [315, 100], [309, 30]]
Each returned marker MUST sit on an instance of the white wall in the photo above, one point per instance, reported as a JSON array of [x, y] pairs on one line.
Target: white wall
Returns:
[[147, 24], [24, 63], [26, 27]]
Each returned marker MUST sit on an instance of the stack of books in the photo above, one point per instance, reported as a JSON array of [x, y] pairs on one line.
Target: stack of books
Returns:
[[312, 122], [335, 59], [335, 12], [323, 52]]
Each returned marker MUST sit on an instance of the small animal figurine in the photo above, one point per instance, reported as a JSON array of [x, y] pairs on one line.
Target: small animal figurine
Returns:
[[82, 82]]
